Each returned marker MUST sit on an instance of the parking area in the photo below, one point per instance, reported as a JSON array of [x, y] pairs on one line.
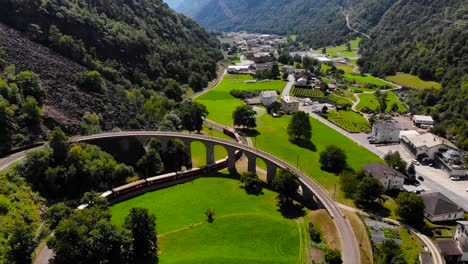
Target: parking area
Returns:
[[438, 177]]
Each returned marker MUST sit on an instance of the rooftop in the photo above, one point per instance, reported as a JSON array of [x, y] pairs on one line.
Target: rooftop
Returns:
[[449, 247], [425, 257], [422, 118], [380, 170], [438, 204], [430, 140], [387, 125], [271, 93]]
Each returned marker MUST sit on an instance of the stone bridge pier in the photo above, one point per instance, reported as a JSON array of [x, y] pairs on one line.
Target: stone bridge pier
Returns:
[[252, 166]]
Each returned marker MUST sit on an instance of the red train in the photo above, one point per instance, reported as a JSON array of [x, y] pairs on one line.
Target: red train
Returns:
[[151, 183]]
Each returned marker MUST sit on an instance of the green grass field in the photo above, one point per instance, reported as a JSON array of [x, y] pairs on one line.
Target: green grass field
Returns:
[[274, 130], [349, 120], [367, 80], [299, 92], [246, 229], [221, 104], [370, 101], [409, 80], [345, 67], [339, 100], [342, 51]]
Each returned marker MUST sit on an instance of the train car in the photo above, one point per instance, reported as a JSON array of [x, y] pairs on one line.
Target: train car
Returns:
[[191, 173], [107, 194], [218, 165], [129, 188], [229, 131], [161, 179]]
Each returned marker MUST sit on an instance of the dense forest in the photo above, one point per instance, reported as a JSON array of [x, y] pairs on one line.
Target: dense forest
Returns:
[[433, 45], [317, 22]]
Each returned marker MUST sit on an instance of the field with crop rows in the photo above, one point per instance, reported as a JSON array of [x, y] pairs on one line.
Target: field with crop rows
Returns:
[[300, 92]]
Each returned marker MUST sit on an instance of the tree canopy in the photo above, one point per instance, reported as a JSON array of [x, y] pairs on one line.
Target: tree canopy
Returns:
[[410, 207], [333, 159], [245, 116], [299, 128]]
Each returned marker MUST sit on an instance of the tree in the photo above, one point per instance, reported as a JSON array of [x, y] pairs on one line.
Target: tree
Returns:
[[32, 113], [92, 81], [382, 98], [411, 170], [410, 207], [175, 156], [284, 76], [394, 108], [333, 159], [142, 226], [394, 160], [275, 72], [150, 164], [173, 90], [244, 116], [197, 81], [349, 180], [348, 47], [368, 191], [59, 144], [299, 128], [192, 115], [30, 84], [251, 182], [314, 234], [389, 249], [210, 215], [90, 123], [324, 50], [286, 184], [333, 256], [56, 213], [21, 242]]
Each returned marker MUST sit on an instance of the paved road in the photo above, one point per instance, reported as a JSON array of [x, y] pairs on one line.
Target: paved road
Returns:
[[350, 250], [8, 161], [289, 86], [436, 256]]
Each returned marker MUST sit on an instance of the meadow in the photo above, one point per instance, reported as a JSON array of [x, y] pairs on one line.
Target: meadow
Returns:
[[349, 121], [367, 79], [371, 101], [413, 81], [246, 228], [342, 51], [220, 103]]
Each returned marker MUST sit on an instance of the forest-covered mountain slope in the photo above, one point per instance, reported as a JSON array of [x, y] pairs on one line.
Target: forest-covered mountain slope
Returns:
[[126, 40], [317, 22], [429, 39]]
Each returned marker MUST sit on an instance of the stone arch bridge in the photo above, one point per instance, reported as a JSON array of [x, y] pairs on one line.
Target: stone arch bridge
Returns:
[[130, 144]]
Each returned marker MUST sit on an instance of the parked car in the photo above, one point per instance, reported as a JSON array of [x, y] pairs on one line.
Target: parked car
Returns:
[[415, 162], [455, 178], [420, 178]]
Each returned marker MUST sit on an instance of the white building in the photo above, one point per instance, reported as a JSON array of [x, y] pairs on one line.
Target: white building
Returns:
[[289, 69], [289, 105], [423, 121], [390, 178], [461, 236], [239, 69], [386, 132], [437, 207], [268, 97], [426, 145]]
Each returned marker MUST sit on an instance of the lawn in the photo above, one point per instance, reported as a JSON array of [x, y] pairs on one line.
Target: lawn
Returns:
[[300, 92], [246, 228], [274, 130], [367, 79], [371, 101], [411, 246], [413, 81], [349, 120], [221, 104], [342, 51], [345, 67], [339, 100]]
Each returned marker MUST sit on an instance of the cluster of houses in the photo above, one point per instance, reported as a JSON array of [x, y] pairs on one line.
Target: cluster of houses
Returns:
[[424, 147], [289, 105]]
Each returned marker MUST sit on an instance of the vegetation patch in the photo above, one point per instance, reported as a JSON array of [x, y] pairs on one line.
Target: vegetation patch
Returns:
[[413, 81], [371, 102], [324, 223], [360, 231], [349, 120], [300, 92], [367, 79], [246, 228]]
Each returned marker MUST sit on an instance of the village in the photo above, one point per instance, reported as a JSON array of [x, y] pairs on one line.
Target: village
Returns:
[[331, 89]]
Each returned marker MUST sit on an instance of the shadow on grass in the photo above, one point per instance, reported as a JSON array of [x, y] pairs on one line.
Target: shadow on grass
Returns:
[[307, 144], [290, 209], [248, 132], [376, 208]]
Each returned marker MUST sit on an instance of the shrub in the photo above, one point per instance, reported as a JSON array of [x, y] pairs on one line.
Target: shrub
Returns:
[[92, 82]]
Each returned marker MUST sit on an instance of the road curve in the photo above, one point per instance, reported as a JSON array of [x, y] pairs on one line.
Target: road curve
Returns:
[[350, 246]]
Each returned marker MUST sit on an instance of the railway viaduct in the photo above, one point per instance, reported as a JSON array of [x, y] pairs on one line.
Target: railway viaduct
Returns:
[[130, 144]]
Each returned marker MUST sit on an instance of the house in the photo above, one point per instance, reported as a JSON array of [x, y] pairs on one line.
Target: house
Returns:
[[461, 236], [423, 121], [438, 207], [451, 163], [289, 105], [425, 258], [301, 82], [427, 145], [386, 132], [262, 57], [332, 87], [263, 66], [389, 177], [238, 69], [289, 69], [268, 97], [450, 250]]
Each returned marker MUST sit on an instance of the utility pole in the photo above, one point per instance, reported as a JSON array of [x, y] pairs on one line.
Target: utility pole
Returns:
[[334, 192]]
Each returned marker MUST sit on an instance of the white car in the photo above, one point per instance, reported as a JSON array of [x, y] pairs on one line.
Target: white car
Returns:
[[415, 162], [455, 178]]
